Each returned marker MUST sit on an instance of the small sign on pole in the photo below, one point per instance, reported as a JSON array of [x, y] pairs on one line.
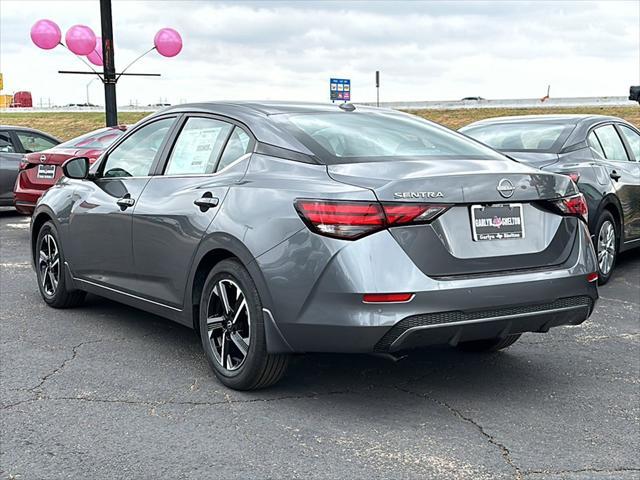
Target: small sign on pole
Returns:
[[340, 89]]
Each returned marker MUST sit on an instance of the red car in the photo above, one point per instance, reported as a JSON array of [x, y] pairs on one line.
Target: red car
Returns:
[[39, 171]]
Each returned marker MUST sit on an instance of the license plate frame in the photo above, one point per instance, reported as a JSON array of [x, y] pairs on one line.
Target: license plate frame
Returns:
[[493, 222], [46, 172]]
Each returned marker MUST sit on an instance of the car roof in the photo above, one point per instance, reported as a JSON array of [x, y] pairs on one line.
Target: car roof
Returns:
[[255, 114], [14, 128], [20, 127], [568, 119], [266, 107]]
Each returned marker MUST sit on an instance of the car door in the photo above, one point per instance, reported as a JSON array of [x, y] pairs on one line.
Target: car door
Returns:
[[622, 173], [9, 163], [100, 224], [631, 139], [178, 205]]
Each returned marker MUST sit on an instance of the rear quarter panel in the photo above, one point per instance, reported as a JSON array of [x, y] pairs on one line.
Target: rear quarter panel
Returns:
[[258, 214]]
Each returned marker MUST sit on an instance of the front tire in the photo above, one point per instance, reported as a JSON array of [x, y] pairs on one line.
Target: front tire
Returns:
[[232, 330], [489, 345], [50, 272], [606, 246]]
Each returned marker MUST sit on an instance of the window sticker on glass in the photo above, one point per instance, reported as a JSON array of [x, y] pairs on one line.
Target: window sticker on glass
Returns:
[[197, 147]]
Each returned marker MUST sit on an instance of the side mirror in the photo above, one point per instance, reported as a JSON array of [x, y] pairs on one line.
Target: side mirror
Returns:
[[77, 168]]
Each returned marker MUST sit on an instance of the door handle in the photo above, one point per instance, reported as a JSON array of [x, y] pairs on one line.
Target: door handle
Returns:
[[125, 202], [206, 202], [615, 175]]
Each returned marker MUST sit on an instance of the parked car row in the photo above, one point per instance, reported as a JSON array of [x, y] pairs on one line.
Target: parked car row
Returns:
[[31, 160], [274, 229], [600, 153]]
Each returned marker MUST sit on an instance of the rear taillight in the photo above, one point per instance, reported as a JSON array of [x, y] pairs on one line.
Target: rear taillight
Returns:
[[355, 219], [24, 163], [574, 205], [575, 176]]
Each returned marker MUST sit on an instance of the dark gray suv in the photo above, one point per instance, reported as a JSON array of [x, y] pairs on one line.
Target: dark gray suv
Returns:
[[601, 154], [280, 228]]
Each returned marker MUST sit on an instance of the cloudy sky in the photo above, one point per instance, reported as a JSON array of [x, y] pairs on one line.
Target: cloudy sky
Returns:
[[289, 50]]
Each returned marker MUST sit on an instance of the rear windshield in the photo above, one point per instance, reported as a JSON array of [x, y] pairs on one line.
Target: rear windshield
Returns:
[[538, 137], [341, 137], [94, 140]]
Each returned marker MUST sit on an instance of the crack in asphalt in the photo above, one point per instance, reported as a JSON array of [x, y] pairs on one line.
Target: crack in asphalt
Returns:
[[581, 470], [504, 451], [157, 403], [66, 361]]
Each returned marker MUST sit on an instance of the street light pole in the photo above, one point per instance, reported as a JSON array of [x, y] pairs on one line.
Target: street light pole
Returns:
[[109, 71]]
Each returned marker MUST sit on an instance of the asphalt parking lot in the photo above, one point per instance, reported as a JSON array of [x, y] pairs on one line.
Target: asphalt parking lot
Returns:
[[107, 391]]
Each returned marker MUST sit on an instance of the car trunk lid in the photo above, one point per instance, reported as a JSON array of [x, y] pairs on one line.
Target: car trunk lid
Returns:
[[451, 181], [518, 231]]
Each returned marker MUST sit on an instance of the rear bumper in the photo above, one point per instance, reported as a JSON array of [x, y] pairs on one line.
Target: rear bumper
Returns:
[[26, 193], [333, 317], [455, 327], [26, 208]]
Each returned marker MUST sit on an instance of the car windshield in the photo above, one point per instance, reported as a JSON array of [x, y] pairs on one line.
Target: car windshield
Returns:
[[539, 137], [100, 139], [341, 137]]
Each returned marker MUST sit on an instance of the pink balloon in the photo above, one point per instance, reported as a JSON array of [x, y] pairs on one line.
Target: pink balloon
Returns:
[[46, 34], [168, 42], [95, 56], [80, 40]]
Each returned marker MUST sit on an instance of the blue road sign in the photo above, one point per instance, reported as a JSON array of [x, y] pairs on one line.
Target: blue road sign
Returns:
[[340, 89]]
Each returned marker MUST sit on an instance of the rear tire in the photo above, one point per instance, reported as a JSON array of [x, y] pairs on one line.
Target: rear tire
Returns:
[[606, 242], [49, 261], [489, 345], [232, 330]]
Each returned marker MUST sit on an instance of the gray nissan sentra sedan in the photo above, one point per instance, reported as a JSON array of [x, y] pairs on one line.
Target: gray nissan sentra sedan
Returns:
[[277, 228]]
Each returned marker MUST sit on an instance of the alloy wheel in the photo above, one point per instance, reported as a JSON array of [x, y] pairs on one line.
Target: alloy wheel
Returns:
[[606, 247], [228, 324], [49, 265]]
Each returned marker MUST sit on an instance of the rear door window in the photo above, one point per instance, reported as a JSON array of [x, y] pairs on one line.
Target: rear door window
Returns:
[[594, 143], [611, 143], [633, 139], [198, 146], [238, 145]]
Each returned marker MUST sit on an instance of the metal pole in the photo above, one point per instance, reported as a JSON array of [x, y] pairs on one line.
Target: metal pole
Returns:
[[377, 88], [111, 106]]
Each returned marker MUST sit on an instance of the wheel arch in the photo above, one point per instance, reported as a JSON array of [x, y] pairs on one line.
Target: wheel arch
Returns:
[[611, 204], [37, 222], [211, 251]]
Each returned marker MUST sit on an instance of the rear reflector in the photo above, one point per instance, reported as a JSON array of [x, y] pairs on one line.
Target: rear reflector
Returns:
[[592, 277], [387, 297], [575, 205], [352, 219]]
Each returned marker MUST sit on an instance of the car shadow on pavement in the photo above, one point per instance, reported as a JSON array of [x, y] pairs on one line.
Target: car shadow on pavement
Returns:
[[309, 374]]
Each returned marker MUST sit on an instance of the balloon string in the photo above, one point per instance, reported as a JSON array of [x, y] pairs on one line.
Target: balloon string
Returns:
[[82, 60], [127, 67]]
